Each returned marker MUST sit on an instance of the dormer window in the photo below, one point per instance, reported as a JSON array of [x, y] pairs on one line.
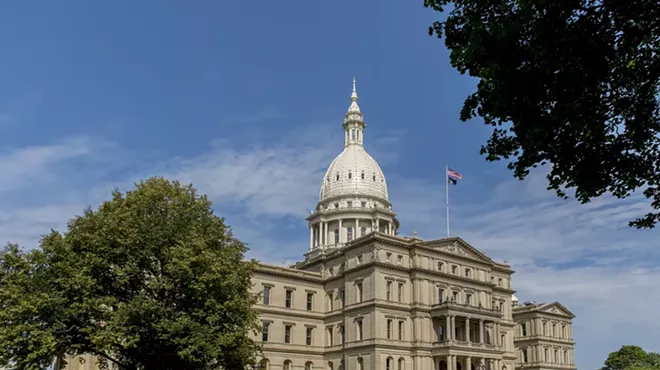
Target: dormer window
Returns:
[[336, 205]]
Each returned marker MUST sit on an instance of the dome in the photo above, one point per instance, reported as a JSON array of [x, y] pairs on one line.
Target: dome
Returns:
[[354, 172], [514, 299]]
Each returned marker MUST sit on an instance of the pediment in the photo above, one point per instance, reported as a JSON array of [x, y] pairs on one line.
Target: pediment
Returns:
[[556, 308], [461, 248]]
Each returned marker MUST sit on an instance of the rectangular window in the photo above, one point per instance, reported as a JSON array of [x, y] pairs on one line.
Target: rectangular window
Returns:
[[289, 296], [455, 296], [266, 295], [400, 330], [441, 295], [524, 351], [359, 330], [287, 334], [440, 265], [388, 257], [336, 236], [349, 234], [364, 204], [363, 231], [341, 297], [349, 204], [264, 332], [358, 287], [399, 259], [310, 299], [330, 336], [389, 329], [400, 292], [523, 329], [468, 299], [332, 300], [341, 334], [359, 259], [563, 331], [388, 290], [309, 336]]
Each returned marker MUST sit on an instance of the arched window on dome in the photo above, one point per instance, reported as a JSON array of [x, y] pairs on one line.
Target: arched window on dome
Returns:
[[353, 134], [349, 233], [362, 175], [350, 175], [374, 177], [337, 176]]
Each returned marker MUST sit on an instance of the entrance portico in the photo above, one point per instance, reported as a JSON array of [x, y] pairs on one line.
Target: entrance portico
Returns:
[[465, 362]]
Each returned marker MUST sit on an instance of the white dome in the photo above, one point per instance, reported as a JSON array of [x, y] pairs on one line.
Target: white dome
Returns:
[[514, 299], [354, 172]]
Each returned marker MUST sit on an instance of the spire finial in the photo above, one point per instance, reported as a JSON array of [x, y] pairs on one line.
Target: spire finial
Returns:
[[354, 96]]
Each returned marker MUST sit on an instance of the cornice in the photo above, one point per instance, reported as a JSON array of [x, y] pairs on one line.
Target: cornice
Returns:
[[503, 290], [296, 274]]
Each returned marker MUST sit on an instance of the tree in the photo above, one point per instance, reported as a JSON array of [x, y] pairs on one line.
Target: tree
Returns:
[[571, 83], [152, 279], [632, 358]]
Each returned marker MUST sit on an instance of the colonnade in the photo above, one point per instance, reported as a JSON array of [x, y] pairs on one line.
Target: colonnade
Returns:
[[319, 234], [454, 362], [450, 330]]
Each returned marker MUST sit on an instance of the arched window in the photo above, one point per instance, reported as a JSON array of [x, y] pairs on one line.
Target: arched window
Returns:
[[360, 363], [331, 366], [388, 363], [546, 357], [362, 175], [353, 134], [264, 364], [402, 363], [350, 175], [337, 176], [287, 365], [309, 365], [374, 177]]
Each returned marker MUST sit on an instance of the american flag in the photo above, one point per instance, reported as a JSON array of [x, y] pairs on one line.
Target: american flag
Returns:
[[453, 176]]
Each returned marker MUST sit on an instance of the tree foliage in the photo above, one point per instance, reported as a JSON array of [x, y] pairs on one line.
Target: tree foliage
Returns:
[[632, 358], [572, 83], [152, 279]]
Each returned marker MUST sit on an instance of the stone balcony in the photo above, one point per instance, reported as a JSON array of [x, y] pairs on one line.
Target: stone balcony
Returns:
[[465, 345], [463, 309]]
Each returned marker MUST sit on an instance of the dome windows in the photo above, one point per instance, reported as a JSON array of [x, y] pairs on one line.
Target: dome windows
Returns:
[[349, 175], [374, 177], [338, 176], [362, 175]]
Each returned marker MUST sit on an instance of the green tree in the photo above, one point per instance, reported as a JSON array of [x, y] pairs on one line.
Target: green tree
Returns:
[[571, 83], [632, 358], [152, 279]]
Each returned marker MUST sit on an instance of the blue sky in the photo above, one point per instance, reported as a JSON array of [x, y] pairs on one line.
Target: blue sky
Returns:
[[245, 100]]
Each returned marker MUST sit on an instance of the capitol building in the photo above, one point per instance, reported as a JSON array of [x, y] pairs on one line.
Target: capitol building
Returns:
[[366, 298]]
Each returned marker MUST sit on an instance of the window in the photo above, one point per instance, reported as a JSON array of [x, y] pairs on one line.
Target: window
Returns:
[[545, 328], [524, 353], [556, 356], [468, 299], [388, 290], [360, 363], [546, 355], [468, 273], [400, 330], [388, 363], [310, 299], [349, 203], [264, 332], [455, 296], [287, 334], [331, 366], [341, 297], [401, 363], [363, 231], [374, 177], [399, 259], [349, 235], [358, 287], [341, 334], [359, 329], [554, 330], [454, 270], [289, 294], [389, 329], [336, 236], [388, 257], [330, 336], [400, 292], [350, 176], [287, 365], [441, 295], [309, 336], [440, 266], [363, 204], [499, 282], [266, 295], [362, 175], [337, 176], [359, 259], [309, 365], [566, 357], [563, 331], [332, 300], [523, 329], [336, 205]]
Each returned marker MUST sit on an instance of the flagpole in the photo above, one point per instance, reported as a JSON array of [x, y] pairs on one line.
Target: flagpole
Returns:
[[447, 195]]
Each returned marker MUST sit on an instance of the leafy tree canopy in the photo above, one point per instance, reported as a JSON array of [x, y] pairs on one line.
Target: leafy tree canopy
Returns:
[[573, 83], [152, 279], [632, 358]]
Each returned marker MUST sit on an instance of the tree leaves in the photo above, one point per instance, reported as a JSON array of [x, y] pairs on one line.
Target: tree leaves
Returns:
[[632, 358], [151, 280], [571, 83]]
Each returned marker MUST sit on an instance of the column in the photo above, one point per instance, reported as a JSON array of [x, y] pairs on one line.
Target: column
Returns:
[[481, 331], [468, 363], [453, 327], [341, 237], [498, 366], [357, 229], [447, 328], [325, 233], [378, 225], [467, 329], [311, 237], [389, 228]]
